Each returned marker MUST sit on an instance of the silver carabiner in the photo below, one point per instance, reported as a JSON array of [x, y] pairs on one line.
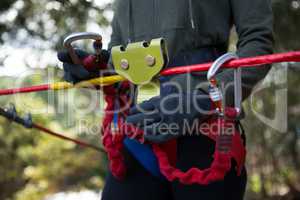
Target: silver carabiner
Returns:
[[82, 36], [237, 80], [217, 64]]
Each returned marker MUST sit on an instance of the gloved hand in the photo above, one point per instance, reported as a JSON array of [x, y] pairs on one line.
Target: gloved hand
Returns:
[[75, 73], [171, 115]]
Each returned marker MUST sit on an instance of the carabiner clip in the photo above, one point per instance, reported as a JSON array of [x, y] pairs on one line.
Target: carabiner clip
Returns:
[[215, 93], [82, 36]]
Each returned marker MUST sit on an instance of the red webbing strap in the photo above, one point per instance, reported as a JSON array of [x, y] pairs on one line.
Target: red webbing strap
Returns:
[[219, 167], [113, 138], [112, 142]]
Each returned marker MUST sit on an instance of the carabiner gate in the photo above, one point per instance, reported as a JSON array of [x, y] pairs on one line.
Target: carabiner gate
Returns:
[[215, 93]]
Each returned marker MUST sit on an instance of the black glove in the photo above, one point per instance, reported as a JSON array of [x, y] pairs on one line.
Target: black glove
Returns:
[[75, 73], [171, 115]]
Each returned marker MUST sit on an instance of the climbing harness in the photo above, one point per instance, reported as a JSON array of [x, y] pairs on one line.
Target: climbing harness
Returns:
[[152, 56]]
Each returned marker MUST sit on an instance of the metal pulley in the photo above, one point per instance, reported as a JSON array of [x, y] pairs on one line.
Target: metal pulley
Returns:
[[140, 62]]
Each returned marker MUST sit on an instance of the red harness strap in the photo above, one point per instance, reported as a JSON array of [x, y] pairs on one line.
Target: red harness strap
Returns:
[[222, 159], [111, 139], [113, 144]]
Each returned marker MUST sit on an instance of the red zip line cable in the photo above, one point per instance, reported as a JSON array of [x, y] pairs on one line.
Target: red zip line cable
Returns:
[[29, 89], [293, 56]]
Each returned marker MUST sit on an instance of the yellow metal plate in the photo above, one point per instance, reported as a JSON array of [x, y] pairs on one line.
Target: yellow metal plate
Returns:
[[136, 55]]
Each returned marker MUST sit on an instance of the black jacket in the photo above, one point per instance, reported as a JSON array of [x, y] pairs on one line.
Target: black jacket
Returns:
[[191, 24]]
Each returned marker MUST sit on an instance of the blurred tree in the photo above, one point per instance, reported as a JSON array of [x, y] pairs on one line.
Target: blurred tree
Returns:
[[48, 20], [287, 24], [273, 157], [33, 164]]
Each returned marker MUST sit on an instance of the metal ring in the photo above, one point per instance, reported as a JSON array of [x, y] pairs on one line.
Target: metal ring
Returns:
[[80, 36]]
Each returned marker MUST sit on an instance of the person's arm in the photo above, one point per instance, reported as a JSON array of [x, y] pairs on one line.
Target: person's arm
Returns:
[[254, 25]]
